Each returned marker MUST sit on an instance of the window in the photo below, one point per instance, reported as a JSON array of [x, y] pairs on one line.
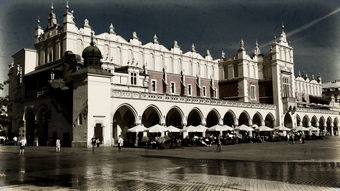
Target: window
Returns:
[[285, 86], [189, 90], [80, 119], [172, 87], [133, 76], [235, 67], [252, 92], [204, 93], [153, 85]]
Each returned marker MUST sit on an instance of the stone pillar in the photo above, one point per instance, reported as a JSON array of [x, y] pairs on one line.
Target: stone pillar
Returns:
[[332, 130]]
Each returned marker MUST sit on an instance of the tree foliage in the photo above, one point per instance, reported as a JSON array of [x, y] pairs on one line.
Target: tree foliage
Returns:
[[3, 108]]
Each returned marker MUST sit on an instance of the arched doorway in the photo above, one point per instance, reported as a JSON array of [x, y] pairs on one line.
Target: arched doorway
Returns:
[[269, 120], [123, 119], [151, 116], [194, 118], [329, 124], [322, 123], [336, 126], [43, 116], [229, 118], [288, 121], [244, 119], [174, 117], [212, 118], [305, 121], [314, 121], [257, 119], [30, 126], [298, 120]]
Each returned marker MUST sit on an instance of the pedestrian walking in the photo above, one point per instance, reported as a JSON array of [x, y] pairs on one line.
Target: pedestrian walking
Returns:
[[93, 142], [120, 143], [293, 137], [98, 142], [218, 148], [22, 143], [288, 136], [57, 145]]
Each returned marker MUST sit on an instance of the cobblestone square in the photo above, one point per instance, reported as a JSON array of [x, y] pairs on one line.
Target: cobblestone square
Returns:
[[267, 166]]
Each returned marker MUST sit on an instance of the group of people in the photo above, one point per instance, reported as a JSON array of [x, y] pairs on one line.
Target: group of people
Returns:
[[96, 142], [291, 137]]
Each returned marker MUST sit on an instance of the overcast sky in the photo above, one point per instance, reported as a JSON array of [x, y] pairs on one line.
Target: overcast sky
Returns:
[[313, 26]]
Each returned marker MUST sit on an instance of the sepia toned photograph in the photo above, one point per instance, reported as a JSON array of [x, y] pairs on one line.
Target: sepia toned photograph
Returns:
[[168, 95]]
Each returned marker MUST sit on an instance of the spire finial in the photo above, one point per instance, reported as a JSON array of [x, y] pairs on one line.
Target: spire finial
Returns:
[[155, 39], [299, 74], [257, 50], [223, 54], [67, 6], [111, 29], [193, 48], [134, 35], [52, 7], [282, 27], [92, 43], [208, 52], [241, 45], [38, 20]]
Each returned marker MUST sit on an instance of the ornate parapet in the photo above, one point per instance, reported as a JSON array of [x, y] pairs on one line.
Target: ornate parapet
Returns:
[[183, 99], [323, 111]]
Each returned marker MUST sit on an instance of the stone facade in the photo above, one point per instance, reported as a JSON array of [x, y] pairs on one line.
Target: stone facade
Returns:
[[54, 93]]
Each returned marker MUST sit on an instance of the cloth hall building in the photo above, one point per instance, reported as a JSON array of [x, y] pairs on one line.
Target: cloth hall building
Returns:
[[76, 84]]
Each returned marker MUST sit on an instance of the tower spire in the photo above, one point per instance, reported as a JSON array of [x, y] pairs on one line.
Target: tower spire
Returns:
[[52, 18], [283, 37]]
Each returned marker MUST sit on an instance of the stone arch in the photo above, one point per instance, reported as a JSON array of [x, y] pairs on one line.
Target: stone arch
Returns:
[[288, 122], [229, 118], [298, 120], [30, 125], [124, 118], [195, 117], [269, 121], [305, 121], [175, 117], [336, 122], [329, 122], [322, 122], [314, 121], [152, 116], [244, 119], [257, 119], [213, 118], [43, 115]]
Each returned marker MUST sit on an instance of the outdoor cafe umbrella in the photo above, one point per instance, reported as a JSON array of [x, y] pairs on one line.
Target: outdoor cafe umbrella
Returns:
[[173, 129], [263, 128], [244, 128], [311, 128], [281, 128], [193, 129], [220, 128], [300, 128], [156, 129], [137, 128]]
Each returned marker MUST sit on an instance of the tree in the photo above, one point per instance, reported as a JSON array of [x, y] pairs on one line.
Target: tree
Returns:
[[3, 109]]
